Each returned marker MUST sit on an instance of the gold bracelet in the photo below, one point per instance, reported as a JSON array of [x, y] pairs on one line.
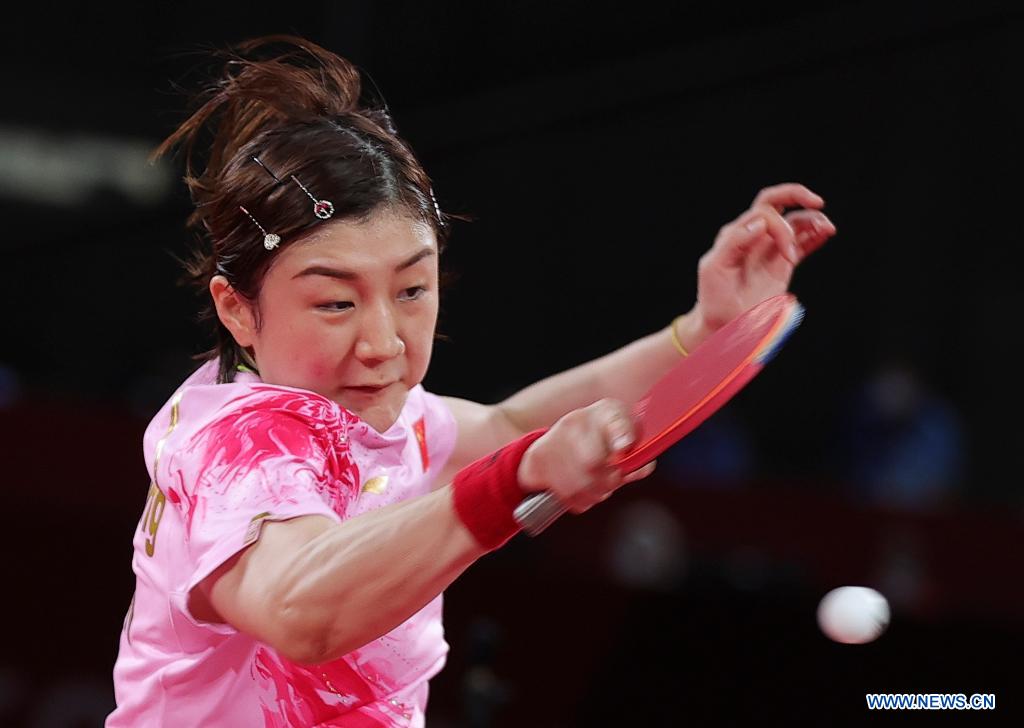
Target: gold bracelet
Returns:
[[675, 337]]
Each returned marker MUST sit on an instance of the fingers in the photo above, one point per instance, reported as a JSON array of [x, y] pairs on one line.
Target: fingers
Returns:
[[574, 458], [739, 237], [755, 227], [781, 233], [610, 431], [607, 482], [618, 428], [640, 473], [812, 229], [763, 228], [788, 194]]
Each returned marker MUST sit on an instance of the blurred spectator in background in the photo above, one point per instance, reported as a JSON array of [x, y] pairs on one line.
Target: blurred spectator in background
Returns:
[[483, 692], [718, 453], [647, 547], [900, 444], [10, 386]]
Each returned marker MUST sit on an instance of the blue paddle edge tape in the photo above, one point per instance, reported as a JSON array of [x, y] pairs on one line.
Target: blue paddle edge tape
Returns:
[[772, 347]]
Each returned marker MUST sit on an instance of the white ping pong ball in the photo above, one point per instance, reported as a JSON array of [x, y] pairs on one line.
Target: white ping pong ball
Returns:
[[853, 615]]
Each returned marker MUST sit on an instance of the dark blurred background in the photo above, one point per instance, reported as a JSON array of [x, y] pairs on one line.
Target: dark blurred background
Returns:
[[599, 146]]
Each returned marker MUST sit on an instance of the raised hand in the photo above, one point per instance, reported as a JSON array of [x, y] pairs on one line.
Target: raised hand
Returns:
[[753, 257]]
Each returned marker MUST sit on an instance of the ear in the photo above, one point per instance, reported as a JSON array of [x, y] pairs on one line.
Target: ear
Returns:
[[234, 311]]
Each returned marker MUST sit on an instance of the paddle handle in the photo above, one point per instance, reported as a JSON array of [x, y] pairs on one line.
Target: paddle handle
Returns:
[[537, 512]]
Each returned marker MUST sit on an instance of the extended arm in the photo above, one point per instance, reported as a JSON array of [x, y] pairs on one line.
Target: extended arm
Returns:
[[752, 259], [316, 590]]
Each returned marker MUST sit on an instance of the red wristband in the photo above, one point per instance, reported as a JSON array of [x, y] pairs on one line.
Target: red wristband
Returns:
[[487, 492]]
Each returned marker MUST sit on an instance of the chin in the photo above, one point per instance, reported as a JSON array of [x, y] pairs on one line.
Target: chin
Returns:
[[380, 415], [379, 419]]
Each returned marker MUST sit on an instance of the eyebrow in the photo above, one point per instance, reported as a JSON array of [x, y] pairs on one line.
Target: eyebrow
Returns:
[[345, 275]]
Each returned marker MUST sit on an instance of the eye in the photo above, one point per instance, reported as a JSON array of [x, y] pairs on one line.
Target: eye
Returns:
[[336, 306], [411, 294]]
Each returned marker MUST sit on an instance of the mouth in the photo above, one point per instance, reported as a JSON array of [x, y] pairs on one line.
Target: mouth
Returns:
[[369, 389]]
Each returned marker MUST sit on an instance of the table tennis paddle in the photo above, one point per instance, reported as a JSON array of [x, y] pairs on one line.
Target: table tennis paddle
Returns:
[[690, 392]]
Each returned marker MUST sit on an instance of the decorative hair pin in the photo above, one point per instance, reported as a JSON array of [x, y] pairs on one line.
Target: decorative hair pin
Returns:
[[321, 208], [437, 208], [270, 240], [266, 168]]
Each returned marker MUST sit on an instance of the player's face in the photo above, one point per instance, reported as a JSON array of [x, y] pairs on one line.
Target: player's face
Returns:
[[350, 312]]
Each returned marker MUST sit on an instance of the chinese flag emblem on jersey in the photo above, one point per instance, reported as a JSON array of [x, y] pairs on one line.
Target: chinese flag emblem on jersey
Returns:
[[420, 428]]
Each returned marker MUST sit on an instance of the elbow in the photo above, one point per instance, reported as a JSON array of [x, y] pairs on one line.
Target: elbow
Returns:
[[313, 649], [312, 637], [314, 642], [307, 631], [304, 652], [301, 637]]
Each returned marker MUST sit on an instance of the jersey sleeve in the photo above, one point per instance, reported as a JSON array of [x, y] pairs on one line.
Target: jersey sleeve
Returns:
[[271, 459]]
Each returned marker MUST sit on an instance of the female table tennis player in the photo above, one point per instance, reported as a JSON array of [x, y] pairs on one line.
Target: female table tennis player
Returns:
[[310, 501]]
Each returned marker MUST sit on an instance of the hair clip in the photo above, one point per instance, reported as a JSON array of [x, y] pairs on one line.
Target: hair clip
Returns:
[[321, 208], [270, 240], [266, 168], [437, 208]]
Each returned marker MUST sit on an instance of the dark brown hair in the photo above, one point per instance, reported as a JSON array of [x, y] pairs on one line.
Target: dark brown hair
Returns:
[[298, 109]]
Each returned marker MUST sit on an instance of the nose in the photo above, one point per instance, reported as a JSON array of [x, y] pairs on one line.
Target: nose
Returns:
[[378, 335]]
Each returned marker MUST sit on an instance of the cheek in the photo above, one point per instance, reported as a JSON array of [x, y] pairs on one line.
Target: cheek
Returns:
[[419, 356], [317, 370], [311, 351], [323, 358]]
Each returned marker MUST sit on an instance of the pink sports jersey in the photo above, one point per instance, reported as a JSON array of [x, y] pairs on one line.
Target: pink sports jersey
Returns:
[[224, 458]]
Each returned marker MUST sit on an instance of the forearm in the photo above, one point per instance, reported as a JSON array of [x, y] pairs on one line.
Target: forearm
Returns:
[[361, 579], [625, 374]]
